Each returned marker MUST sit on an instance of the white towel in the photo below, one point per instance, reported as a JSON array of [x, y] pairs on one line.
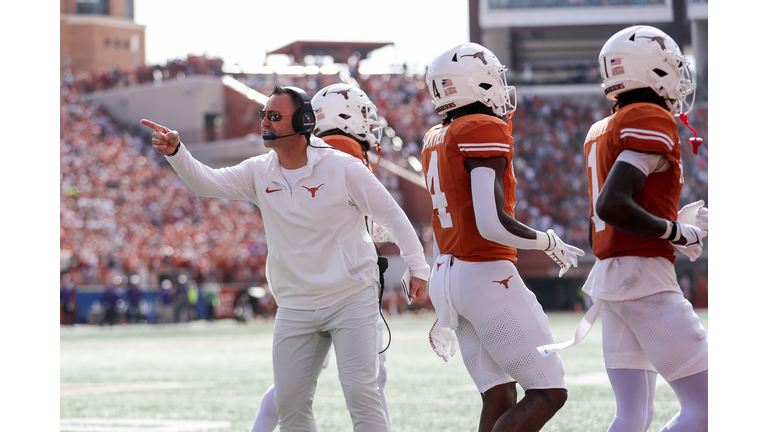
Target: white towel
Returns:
[[440, 292], [581, 331]]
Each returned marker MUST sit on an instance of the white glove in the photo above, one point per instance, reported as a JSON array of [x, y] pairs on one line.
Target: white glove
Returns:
[[693, 220], [695, 214], [562, 253], [694, 241], [442, 339]]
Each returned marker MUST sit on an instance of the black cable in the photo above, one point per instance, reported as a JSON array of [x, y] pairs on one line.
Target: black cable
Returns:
[[383, 265], [389, 333]]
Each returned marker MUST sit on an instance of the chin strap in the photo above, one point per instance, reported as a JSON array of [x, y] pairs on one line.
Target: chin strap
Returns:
[[695, 140], [509, 115], [378, 153]]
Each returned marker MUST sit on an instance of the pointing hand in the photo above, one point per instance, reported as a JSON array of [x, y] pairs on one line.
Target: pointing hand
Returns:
[[164, 140]]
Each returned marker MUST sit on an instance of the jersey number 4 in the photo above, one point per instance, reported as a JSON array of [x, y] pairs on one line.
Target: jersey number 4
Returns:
[[439, 201]]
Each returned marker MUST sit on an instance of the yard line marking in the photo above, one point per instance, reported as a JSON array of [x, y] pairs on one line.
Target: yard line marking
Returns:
[[138, 425], [119, 387]]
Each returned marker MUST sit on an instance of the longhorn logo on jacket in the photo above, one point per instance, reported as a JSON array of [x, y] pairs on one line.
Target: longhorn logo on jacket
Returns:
[[313, 190]]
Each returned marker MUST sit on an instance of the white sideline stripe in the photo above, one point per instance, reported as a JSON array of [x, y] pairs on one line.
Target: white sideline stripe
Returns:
[[117, 387], [648, 134], [138, 425]]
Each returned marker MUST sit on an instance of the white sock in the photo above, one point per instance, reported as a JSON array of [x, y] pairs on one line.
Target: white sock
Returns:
[[693, 394], [266, 418], [634, 390], [382, 379]]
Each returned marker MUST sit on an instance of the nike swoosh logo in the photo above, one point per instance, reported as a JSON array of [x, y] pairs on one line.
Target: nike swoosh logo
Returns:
[[273, 190]]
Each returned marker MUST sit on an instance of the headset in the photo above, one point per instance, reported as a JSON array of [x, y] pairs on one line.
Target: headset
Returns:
[[303, 120]]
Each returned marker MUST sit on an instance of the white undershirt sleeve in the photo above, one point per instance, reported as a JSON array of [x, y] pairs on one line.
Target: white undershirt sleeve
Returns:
[[487, 219], [648, 163]]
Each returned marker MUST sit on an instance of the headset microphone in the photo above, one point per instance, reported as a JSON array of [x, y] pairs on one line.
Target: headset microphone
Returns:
[[271, 136]]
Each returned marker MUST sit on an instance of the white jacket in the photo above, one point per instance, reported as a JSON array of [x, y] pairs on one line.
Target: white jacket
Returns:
[[319, 251]]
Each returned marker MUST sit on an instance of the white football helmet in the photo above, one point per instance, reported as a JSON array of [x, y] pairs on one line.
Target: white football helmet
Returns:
[[466, 74], [644, 56], [345, 107]]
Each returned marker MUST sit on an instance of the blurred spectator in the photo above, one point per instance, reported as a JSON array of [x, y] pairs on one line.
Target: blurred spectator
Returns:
[[244, 306], [211, 299], [166, 301], [68, 300], [193, 297], [181, 300], [112, 301], [134, 296]]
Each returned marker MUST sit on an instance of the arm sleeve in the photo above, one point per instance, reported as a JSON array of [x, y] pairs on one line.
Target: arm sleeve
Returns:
[[373, 199], [487, 218], [235, 183]]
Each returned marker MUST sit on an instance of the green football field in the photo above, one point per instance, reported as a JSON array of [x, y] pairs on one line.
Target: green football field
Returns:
[[210, 377]]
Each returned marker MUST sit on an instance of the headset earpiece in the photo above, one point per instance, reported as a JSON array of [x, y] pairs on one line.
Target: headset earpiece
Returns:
[[304, 117]]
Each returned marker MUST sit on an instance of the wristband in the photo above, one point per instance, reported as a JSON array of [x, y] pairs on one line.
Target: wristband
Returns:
[[673, 231], [177, 149], [668, 232], [677, 232], [544, 241]]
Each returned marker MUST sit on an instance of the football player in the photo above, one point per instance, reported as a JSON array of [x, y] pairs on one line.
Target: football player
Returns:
[[635, 179], [346, 120], [480, 299]]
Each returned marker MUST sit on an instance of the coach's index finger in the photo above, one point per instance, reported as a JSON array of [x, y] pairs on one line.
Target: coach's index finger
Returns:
[[155, 126]]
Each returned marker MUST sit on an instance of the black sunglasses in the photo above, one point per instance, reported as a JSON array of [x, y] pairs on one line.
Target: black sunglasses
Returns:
[[273, 116]]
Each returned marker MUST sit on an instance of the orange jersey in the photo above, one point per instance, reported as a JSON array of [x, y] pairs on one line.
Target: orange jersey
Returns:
[[453, 218], [347, 145], [646, 128]]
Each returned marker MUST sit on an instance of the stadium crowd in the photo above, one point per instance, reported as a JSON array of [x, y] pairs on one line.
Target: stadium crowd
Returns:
[[113, 78], [123, 210]]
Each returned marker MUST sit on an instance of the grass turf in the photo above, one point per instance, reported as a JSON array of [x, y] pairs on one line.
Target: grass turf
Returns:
[[217, 372]]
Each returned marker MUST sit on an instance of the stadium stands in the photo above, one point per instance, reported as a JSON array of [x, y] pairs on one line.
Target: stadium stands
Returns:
[[123, 209]]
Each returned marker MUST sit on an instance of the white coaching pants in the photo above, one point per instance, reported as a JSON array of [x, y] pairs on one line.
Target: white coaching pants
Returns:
[[301, 341]]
